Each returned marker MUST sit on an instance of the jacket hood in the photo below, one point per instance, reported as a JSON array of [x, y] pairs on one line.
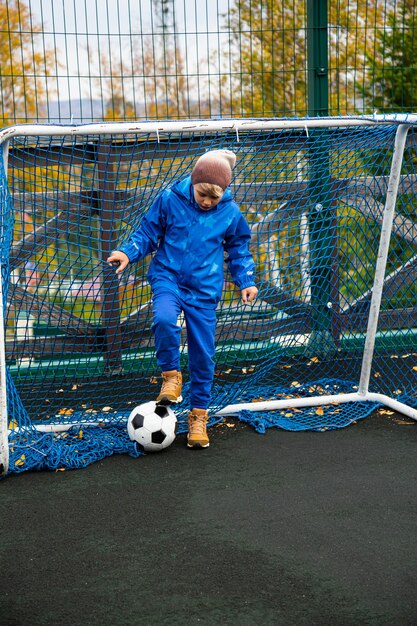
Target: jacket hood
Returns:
[[184, 188]]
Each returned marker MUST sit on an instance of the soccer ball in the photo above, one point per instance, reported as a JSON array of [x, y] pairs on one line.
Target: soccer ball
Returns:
[[152, 426]]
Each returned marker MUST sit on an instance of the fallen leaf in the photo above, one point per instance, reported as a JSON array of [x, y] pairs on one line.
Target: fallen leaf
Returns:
[[319, 411], [20, 461]]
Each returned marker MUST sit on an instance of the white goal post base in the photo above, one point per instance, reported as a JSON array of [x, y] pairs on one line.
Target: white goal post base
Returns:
[[267, 405], [289, 403]]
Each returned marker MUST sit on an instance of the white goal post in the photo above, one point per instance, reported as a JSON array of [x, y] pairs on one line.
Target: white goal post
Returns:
[[403, 124]]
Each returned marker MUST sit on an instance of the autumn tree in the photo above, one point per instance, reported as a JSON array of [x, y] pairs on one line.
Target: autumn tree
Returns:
[[267, 47], [391, 84], [118, 99], [354, 31], [25, 65], [269, 54], [166, 80], [154, 85], [165, 83], [149, 78]]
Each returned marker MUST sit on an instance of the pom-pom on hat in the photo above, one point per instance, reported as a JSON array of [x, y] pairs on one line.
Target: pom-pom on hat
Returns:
[[214, 167]]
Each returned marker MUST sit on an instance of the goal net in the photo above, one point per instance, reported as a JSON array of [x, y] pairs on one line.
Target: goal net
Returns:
[[331, 207]]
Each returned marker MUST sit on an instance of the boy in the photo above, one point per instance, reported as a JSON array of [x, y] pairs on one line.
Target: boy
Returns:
[[190, 225]]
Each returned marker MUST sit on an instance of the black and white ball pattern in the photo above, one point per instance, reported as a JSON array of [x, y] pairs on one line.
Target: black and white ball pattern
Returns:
[[152, 426]]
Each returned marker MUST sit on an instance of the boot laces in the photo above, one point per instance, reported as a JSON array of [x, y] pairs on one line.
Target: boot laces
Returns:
[[197, 424], [170, 383]]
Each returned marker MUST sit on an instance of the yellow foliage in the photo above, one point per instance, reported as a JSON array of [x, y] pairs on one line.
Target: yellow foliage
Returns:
[[22, 55], [20, 461], [269, 54]]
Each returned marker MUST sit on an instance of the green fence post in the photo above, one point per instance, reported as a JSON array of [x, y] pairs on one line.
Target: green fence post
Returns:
[[321, 209]]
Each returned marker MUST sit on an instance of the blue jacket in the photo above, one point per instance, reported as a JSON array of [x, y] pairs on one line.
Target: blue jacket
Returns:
[[190, 245]]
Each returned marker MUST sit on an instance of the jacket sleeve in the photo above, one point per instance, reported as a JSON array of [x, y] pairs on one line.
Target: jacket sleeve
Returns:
[[239, 260], [146, 238]]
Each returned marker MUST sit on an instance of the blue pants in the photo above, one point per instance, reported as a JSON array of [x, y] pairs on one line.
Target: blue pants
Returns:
[[201, 328]]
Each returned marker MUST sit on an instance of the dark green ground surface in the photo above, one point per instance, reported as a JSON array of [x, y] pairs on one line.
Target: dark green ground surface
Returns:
[[283, 528]]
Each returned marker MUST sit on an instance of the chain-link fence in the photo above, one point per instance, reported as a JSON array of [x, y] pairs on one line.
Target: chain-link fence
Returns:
[[90, 60]]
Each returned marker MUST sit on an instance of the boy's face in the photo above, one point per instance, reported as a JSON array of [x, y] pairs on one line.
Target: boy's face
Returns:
[[205, 201]]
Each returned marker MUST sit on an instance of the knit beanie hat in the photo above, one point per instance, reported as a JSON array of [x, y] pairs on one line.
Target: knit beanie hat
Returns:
[[214, 167]]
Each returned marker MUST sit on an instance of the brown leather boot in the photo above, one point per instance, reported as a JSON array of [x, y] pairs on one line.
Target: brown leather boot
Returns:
[[197, 429], [171, 388]]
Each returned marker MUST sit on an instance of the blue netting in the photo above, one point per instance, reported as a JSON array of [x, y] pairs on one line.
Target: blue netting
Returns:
[[79, 345], [82, 443]]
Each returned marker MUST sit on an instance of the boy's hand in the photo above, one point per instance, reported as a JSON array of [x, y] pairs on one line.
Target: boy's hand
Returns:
[[118, 259], [249, 294]]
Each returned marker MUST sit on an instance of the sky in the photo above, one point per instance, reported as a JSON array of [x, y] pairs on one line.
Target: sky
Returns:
[[74, 26]]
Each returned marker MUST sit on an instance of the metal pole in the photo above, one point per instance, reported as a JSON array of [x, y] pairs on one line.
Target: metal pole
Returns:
[[317, 58], [390, 201], [321, 218], [108, 239], [4, 436], [195, 126]]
